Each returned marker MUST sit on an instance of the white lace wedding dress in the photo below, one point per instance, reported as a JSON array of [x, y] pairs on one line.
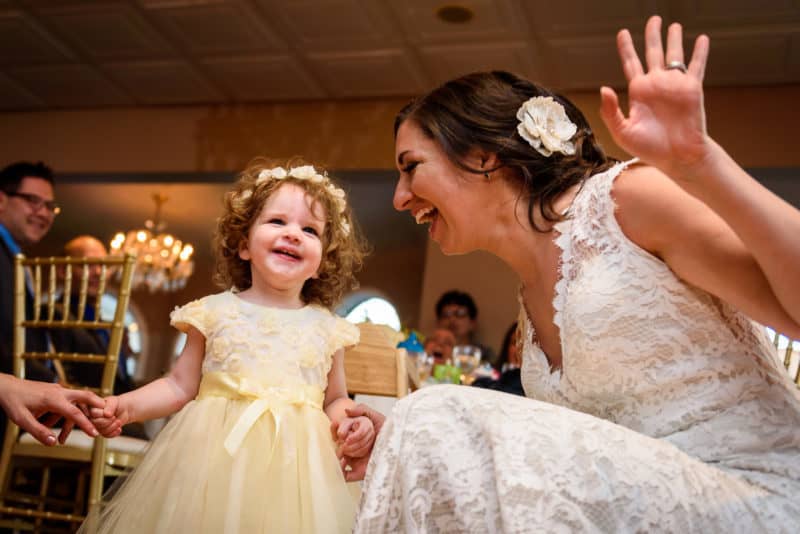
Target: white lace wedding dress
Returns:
[[670, 415]]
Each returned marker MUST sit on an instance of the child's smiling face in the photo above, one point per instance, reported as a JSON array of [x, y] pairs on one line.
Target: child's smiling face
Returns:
[[284, 244]]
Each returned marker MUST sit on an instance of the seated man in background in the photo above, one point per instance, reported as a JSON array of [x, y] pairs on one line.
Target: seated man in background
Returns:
[[456, 311], [93, 341]]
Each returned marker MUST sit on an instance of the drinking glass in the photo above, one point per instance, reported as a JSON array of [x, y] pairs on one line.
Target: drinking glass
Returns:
[[467, 358]]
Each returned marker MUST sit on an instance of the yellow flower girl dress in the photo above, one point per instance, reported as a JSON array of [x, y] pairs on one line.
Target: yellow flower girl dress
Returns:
[[253, 452]]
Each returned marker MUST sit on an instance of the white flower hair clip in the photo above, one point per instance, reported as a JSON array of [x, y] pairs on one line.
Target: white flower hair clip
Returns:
[[544, 124], [308, 172]]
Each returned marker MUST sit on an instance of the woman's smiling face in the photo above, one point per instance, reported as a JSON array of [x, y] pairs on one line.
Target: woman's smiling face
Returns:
[[438, 192]]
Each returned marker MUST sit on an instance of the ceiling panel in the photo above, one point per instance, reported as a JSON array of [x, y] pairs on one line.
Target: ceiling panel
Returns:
[[585, 63], [108, 31], [584, 18], [163, 82], [147, 52], [13, 96], [735, 60], [326, 25], [449, 61], [70, 86], [261, 78], [492, 20], [363, 74], [23, 41], [213, 28]]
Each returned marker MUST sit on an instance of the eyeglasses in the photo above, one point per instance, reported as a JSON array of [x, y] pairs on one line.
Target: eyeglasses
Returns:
[[36, 202], [457, 312]]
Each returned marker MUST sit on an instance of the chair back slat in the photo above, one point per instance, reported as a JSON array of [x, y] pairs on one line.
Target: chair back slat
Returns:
[[82, 293], [791, 356], [67, 292], [51, 292], [100, 290], [37, 290]]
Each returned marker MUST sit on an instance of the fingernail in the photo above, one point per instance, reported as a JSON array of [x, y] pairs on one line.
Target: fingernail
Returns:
[[51, 440]]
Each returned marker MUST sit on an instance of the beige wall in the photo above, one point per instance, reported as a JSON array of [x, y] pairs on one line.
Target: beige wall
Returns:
[[757, 125]]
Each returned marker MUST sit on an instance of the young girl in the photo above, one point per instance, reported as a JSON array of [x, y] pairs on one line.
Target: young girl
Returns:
[[251, 449]]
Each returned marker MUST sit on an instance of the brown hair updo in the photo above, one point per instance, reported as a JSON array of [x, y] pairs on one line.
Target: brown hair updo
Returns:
[[479, 111]]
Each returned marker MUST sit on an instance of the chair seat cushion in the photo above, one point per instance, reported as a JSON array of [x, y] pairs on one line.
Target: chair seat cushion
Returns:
[[79, 440]]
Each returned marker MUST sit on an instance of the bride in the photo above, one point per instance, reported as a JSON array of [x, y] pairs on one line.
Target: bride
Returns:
[[656, 404]]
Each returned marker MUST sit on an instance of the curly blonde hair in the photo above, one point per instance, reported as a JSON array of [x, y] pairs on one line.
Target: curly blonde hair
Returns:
[[343, 248]]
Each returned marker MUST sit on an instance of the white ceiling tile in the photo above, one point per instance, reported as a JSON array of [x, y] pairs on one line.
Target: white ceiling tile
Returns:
[[584, 18], [23, 41], [258, 79], [325, 25], [360, 74], [163, 82], [109, 31], [14, 97], [742, 61], [492, 20], [704, 15], [68, 86], [142, 52], [209, 28], [585, 63], [449, 61]]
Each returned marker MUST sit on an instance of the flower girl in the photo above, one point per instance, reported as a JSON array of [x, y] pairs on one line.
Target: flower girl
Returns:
[[260, 380]]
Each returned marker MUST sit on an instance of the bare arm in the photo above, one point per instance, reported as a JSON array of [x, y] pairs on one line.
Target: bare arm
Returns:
[[336, 399], [161, 397], [354, 435], [666, 128], [26, 400], [697, 244]]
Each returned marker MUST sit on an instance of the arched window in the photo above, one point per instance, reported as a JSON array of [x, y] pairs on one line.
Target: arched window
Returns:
[[369, 306]]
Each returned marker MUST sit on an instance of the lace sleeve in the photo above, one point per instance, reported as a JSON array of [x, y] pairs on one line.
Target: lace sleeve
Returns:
[[192, 314], [344, 334]]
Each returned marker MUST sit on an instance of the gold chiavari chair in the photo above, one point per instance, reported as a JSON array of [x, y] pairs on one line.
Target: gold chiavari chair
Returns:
[[51, 311], [375, 366], [790, 356]]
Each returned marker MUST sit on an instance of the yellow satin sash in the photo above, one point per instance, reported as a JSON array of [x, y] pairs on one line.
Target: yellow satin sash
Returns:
[[266, 399]]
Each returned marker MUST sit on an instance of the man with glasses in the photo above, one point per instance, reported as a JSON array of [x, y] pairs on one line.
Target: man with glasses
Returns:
[[27, 211], [456, 311]]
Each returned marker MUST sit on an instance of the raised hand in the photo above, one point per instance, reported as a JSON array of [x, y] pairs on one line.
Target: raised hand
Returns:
[[666, 124]]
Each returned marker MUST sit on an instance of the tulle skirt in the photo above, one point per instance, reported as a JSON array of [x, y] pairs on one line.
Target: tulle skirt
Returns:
[[284, 477]]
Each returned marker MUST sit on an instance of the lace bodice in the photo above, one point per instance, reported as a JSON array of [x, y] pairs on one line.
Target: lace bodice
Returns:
[[648, 351], [270, 345]]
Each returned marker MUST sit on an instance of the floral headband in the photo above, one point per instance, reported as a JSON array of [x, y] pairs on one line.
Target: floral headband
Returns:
[[545, 126], [308, 172]]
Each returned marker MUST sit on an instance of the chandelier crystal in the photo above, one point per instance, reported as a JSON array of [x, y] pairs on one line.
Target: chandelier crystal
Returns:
[[163, 263]]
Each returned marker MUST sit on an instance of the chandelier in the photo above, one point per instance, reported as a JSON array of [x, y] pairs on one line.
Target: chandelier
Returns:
[[163, 263]]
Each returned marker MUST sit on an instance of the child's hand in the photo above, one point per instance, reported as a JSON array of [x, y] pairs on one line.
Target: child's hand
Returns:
[[110, 419], [355, 436]]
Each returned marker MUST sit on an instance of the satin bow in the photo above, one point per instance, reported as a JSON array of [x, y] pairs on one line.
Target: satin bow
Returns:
[[266, 398]]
